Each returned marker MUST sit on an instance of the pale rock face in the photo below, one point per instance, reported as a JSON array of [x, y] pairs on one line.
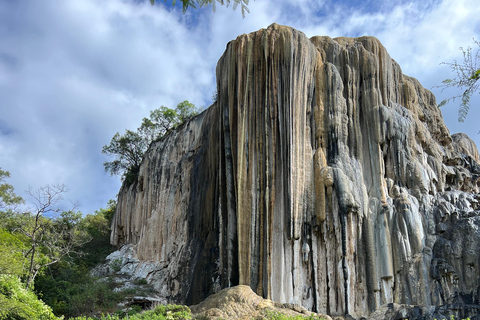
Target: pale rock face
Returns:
[[322, 176]]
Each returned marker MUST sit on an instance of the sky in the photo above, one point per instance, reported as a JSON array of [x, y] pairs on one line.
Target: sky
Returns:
[[73, 73]]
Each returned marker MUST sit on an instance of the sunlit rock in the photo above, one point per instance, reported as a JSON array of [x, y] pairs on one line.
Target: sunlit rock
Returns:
[[322, 176]]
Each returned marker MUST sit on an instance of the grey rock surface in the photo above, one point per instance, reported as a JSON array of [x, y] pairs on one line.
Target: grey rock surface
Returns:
[[322, 176]]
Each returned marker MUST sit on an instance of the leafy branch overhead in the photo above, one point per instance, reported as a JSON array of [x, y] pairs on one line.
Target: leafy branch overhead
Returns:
[[129, 149], [203, 3], [468, 75]]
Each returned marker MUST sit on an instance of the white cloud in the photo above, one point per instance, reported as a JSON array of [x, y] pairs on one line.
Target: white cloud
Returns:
[[82, 71]]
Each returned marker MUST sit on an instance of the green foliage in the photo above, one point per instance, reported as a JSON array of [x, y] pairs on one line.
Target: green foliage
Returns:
[[271, 315], [11, 253], [116, 265], [45, 245], [163, 119], [33, 240], [96, 295], [204, 3], [71, 292], [17, 302], [7, 194], [161, 312], [468, 74], [98, 227], [129, 149], [49, 239], [67, 286], [185, 110]]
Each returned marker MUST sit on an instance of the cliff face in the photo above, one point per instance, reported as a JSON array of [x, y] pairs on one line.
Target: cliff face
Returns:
[[322, 176]]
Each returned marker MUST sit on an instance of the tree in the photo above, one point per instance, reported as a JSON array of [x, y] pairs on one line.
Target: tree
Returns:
[[12, 260], [67, 286], [47, 239], [185, 110], [98, 226], [7, 194], [468, 74], [129, 149], [204, 3]]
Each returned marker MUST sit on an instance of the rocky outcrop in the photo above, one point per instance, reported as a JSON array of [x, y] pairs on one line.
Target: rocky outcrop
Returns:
[[322, 176]]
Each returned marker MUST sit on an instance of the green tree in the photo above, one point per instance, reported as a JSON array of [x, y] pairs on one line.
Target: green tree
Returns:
[[98, 226], [203, 3], [185, 110], [7, 195], [468, 75], [47, 239], [11, 246], [67, 286], [129, 149]]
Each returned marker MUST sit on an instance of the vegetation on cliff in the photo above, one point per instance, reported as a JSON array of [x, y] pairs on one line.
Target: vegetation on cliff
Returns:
[[129, 149], [468, 76]]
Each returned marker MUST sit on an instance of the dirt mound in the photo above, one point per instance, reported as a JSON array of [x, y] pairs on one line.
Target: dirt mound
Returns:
[[240, 302]]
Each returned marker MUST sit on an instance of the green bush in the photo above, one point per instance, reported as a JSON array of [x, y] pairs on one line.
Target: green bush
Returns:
[[271, 315], [71, 292], [11, 247], [66, 286], [161, 312], [19, 303], [116, 265]]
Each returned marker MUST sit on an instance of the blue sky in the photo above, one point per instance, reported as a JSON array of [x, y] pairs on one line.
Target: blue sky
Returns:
[[73, 73]]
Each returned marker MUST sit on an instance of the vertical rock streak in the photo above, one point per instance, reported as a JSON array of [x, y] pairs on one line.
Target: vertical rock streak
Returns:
[[314, 179]]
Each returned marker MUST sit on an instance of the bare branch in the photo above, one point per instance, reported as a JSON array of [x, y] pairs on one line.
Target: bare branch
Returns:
[[50, 237]]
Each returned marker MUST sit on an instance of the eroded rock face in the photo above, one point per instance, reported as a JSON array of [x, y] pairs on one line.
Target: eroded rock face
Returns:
[[322, 176]]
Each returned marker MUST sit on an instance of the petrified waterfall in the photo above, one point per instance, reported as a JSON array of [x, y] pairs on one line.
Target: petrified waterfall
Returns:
[[321, 176]]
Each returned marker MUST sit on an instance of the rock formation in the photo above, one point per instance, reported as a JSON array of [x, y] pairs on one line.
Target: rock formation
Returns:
[[322, 176], [241, 303]]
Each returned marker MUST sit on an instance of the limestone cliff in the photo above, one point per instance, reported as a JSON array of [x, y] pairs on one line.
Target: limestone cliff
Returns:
[[322, 176]]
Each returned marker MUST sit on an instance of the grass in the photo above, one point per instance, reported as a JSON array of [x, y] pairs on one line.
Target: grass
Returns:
[[180, 312], [272, 315], [161, 312]]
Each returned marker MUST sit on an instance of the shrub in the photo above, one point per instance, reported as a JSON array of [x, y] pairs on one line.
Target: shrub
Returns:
[[19, 303], [272, 315]]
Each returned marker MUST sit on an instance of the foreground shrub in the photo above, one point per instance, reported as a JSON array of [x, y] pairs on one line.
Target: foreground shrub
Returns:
[[272, 315], [161, 312], [19, 303]]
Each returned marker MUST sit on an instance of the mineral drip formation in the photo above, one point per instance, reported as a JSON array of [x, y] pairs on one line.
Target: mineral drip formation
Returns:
[[322, 176]]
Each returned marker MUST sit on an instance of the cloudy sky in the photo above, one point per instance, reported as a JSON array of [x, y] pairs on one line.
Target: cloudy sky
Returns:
[[73, 73]]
